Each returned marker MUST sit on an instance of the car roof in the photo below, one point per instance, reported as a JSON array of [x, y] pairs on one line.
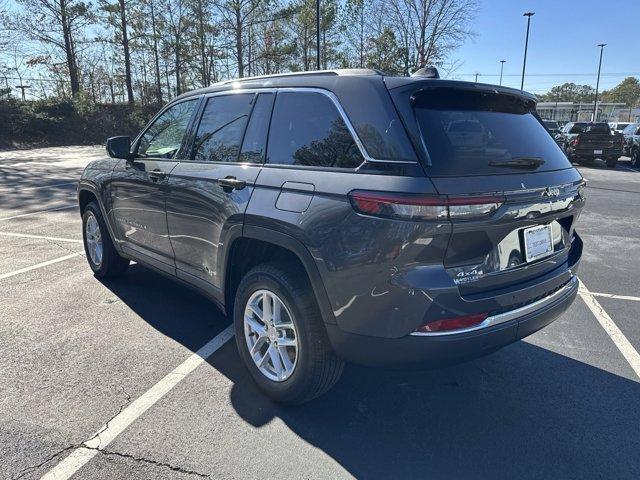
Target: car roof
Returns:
[[327, 78]]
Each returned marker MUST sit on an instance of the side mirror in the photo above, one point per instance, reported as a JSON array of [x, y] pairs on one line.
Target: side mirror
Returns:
[[119, 147]]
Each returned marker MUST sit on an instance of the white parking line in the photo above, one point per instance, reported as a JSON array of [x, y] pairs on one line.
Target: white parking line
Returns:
[[55, 209], [39, 265], [107, 433], [26, 235], [616, 297], [630, 354]]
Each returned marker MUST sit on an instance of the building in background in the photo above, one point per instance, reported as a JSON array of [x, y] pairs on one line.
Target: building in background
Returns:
[[582, 112]]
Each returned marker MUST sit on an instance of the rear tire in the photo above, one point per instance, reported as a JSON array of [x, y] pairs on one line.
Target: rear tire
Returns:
[[102, 256], [612, 162], [635, 158], [313, 366]]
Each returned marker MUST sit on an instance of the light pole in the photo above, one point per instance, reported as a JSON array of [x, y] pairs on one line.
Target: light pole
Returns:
[[502, 62], [595, 101], [526, 45], [317, 34], [476, 80]]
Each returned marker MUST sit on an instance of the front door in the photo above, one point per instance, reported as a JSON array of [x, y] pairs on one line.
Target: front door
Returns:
[[138, 188], [209, 192]]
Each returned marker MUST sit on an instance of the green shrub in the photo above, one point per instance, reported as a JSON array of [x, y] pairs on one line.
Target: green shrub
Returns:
[[67, 122]]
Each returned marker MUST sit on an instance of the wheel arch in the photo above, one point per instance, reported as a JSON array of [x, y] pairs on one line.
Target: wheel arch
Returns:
[[255, 245], [88, 192]]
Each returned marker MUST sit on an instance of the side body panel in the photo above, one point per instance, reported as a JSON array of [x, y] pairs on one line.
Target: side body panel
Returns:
[[200, 213], [138, 208], [361, 260]]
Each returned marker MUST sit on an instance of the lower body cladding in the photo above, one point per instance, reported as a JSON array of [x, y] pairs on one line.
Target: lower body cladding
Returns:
[[438, 349]]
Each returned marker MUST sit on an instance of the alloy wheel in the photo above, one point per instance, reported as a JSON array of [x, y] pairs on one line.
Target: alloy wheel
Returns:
[[271, 335], [93, 238]]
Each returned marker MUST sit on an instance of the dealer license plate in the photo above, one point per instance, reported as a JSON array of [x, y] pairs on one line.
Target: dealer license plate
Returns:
[[537, 242]]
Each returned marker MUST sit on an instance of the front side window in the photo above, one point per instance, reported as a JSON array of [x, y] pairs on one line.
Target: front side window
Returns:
[[164, 137], [222, 127], [307, 129]]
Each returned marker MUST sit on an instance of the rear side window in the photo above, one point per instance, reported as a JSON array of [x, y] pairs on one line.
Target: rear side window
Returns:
[[307, 129], [483, 133], [254, 145], [222, 127]]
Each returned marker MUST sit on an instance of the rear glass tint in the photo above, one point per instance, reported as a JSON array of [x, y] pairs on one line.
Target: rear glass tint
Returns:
[[598, 128], [480, 133]]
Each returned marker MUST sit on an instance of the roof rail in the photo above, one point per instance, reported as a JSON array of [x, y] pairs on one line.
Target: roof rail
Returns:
[[340, 71]]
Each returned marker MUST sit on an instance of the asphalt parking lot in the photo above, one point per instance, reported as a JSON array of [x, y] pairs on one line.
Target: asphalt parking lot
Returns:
[[108, 380]]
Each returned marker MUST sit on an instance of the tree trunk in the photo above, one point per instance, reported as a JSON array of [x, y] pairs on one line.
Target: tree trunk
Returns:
[[156, 58], [239, 51], [68, 48], [127, 56], [177, 65], [204, 73]]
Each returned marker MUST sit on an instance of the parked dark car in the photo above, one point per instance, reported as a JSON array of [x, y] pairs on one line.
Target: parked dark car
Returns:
[[346, 215], [618, 127], [584, 142], [552, 126], [631, 147]]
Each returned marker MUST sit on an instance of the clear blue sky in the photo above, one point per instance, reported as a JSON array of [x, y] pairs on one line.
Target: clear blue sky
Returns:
[[562, 40]]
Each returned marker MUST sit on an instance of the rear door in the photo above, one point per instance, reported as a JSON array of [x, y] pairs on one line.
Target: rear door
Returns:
[[210, 190], [514, 197], [138, 189]]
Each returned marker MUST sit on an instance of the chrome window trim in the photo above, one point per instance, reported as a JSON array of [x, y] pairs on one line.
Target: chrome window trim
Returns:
[[510, 315]]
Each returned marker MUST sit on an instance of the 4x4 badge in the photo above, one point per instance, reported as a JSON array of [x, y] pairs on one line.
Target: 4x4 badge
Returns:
[[551, 192]]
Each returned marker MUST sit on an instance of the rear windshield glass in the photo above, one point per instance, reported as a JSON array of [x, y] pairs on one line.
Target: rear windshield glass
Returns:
[[598, 128], [578, 128], [483, 133]]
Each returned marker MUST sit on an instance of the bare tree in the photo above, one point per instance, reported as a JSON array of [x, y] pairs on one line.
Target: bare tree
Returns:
[[57, 23]]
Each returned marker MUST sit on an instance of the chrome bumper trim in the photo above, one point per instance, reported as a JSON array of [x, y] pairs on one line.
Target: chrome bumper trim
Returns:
[[510, 315]]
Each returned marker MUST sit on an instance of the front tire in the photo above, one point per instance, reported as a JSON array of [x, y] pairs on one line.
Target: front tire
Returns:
[[281, 336], [98, 247]]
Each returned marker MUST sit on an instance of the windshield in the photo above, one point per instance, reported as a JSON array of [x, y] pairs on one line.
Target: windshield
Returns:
[[630, 129], [481, 133], [551, 125]]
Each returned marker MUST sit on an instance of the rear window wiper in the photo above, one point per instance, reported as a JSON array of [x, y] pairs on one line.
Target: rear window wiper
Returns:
[[522, 162]]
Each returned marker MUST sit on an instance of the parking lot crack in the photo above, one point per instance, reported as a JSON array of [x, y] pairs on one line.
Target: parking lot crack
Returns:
[[106, 425], [51, 457], [152, 462]]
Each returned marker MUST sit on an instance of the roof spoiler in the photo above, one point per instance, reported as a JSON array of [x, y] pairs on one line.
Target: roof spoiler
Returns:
[[426, 72]]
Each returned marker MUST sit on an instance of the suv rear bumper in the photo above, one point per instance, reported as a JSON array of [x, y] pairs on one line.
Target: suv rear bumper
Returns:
[[437, 350], [589, 152]]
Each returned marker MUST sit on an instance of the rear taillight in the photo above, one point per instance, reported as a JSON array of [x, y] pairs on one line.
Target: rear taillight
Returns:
[[423, 207], [575, 142], [450, 324]]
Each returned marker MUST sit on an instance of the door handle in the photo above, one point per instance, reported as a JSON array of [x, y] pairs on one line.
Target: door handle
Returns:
[[230, 183], [157, 174]]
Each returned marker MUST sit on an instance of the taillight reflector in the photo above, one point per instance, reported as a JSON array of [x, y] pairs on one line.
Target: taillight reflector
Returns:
[[449, 324]]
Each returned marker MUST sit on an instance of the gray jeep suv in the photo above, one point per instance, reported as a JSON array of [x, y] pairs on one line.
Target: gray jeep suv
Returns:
[[346, 215]]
